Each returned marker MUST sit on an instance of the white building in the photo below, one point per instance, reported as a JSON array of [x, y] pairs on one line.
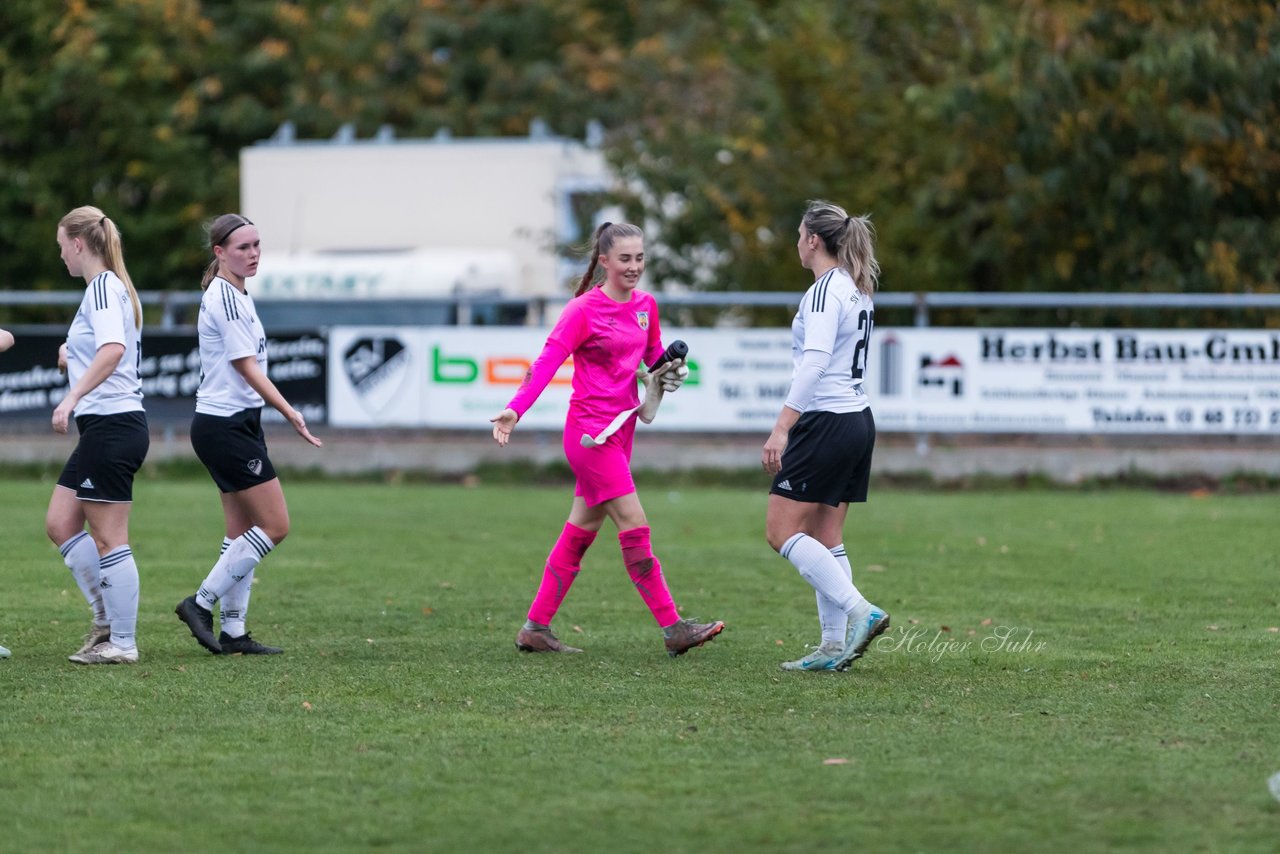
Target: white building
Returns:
[[424, 217]]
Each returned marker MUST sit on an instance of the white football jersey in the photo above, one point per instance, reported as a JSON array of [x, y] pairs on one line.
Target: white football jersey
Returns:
[[836, 318], [106, 317], [229, 329]]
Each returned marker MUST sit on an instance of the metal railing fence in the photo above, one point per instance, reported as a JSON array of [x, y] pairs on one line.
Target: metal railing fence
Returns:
[[463, 309]]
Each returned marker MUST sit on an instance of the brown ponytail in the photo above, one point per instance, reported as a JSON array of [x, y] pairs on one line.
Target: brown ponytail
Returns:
[[219, 230], [601, 243]]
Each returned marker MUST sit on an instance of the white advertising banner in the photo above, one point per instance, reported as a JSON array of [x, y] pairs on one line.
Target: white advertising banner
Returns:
[[919, 380], [1076, 381], [737, 379], [472, 373]]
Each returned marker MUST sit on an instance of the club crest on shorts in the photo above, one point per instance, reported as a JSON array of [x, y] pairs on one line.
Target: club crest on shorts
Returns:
[[255, 466], [642, 318]]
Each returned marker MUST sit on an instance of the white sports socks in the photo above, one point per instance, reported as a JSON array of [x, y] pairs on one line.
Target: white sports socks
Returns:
[[831, 616], [820, 568], [80, 554], [119, 580], [234, 566], [235, 602]]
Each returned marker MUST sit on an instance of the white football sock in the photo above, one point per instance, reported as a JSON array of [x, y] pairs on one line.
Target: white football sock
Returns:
[[235, 606], [831, 616], [119, 580], [80, 554], [234, 603], [236, 563], [821, 569]]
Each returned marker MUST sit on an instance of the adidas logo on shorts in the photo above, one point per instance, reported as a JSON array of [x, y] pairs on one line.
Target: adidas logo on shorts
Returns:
[[88, 484], [786, 484]]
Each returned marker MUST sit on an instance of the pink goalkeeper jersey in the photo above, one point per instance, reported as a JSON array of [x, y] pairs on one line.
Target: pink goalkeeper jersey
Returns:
[[608, 341]]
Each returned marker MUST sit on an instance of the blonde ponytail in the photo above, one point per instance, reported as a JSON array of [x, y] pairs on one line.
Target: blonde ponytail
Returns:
[[102, 238], [848, 239]]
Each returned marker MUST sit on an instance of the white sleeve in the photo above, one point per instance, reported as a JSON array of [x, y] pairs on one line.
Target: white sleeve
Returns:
[[235, 330], [821, 322], [106, 316], [812, 366]]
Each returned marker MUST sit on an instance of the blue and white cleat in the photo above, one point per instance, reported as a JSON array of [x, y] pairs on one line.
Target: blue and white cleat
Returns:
[[4, 653], [823, 657], [863, 629]]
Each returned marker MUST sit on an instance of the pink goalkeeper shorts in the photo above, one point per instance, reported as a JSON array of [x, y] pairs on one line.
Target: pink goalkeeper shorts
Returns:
[[603, 473]]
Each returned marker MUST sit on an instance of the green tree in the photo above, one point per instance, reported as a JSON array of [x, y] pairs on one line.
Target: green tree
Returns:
[[1047, 144], [1113, 147], [746, 109], [1032, 146], [142, 106]]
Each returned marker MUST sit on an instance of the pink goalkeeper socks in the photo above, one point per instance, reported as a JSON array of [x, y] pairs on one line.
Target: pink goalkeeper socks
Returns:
[[646, 574], [558, 575]]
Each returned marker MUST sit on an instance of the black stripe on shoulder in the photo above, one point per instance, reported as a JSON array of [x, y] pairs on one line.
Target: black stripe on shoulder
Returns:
[[819, 302], [99, 285], [229, 304]]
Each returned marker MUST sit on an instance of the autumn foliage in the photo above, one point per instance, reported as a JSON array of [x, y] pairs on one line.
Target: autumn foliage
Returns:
[[998, 146]]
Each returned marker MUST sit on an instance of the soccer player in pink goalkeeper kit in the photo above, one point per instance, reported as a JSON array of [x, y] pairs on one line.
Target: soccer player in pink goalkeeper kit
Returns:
[[607, 329]]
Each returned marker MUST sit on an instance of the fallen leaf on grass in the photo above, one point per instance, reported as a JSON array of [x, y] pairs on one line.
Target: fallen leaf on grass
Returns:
[[986, 622], [306, 706], [578, 629], [1273, 629], [875, 567], [835, 760], [778, 643], [1210, 628]]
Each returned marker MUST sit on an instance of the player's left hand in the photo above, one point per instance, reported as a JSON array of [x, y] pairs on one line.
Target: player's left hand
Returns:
[[503, 423], [300, 424], [673, 374], [771, 454], [62, 415]]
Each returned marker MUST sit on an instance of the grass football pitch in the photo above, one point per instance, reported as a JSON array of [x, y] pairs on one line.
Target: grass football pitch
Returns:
[[1067, 671]]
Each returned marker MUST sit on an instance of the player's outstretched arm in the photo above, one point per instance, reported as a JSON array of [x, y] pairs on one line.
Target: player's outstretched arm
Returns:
[[248, 368]]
